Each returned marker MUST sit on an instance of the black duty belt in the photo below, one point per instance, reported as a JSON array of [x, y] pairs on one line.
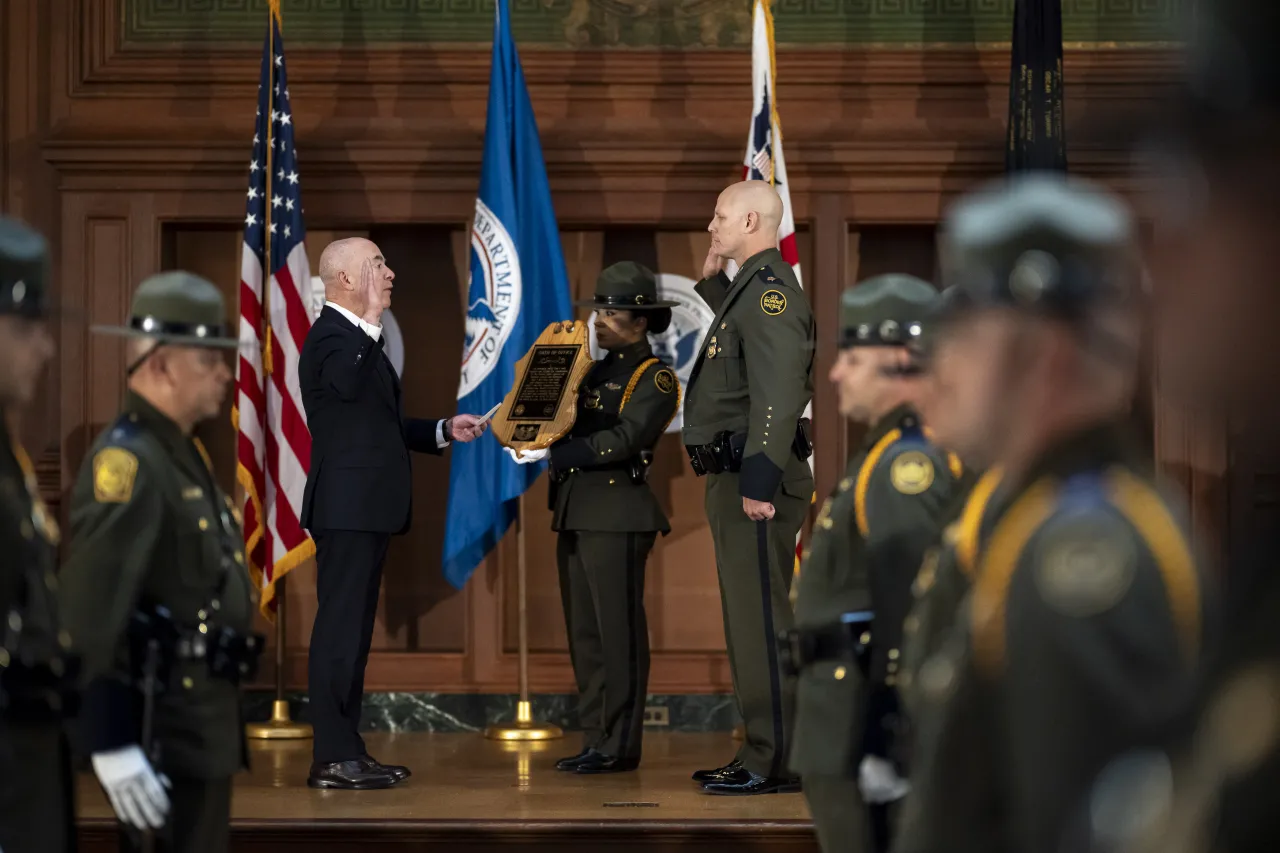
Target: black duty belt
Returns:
[[636, 468], [37, 692], [724, 452], [847, 639]]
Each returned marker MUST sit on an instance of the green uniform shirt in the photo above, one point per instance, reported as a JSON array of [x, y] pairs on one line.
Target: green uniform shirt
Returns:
[[755, 372], [943, 581], [1077, 644], [866, 546], [624, 406], [149, 526], [28, 586]]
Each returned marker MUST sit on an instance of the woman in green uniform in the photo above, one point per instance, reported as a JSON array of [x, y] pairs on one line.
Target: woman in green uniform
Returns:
[[608, 518]]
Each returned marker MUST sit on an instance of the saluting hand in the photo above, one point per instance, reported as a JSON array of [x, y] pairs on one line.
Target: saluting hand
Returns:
[[712, 265], [372, 292], [757, 510]]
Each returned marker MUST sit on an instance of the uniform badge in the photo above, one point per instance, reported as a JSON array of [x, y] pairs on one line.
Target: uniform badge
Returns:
[[712, 349], [912, 472], [773, 302], [114, 470], [665, 381], [593, 400], [1084, 568]]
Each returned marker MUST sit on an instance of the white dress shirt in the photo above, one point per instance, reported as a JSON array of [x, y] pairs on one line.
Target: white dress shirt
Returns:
[[375, 332]]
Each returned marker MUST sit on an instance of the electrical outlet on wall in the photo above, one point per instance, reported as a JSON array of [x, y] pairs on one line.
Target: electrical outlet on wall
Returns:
[[657, 715]]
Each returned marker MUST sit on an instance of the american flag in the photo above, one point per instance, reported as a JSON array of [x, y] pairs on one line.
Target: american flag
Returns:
[[763, 161], [274, 446]]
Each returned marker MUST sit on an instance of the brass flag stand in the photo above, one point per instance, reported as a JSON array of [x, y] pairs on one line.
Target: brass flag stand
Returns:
[[280, 726], [524, 727]]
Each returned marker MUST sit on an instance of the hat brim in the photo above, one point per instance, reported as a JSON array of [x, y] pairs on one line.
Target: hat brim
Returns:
[[184, 340], [649, 306]]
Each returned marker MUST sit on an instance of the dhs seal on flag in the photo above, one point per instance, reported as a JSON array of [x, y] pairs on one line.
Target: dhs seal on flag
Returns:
[[493, 302], [679, 344]]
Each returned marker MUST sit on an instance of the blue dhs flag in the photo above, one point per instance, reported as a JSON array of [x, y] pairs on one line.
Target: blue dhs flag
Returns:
[[518, 287]]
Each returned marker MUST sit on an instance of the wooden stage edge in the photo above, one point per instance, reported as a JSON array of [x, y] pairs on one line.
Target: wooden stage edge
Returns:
[[471, 794]]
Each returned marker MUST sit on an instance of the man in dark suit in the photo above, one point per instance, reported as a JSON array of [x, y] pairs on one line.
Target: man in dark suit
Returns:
[[359, 493]]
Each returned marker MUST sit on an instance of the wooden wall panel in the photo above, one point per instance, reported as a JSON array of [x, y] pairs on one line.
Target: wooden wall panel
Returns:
[[110, 146]]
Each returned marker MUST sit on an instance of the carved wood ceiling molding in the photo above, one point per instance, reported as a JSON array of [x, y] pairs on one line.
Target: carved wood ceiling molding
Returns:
[[868, 117]]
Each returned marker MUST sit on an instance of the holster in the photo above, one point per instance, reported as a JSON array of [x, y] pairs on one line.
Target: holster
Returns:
[[847, 639]]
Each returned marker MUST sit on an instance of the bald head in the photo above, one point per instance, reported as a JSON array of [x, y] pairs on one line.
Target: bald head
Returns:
[[356, 276], [746, 220]]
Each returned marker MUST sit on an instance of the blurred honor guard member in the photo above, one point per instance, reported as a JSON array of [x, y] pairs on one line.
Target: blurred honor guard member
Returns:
[[855, 584], [359, 492], [608, 518], [942, 581], [1084, 627], [744, 431], [36, 809], [155, 590]]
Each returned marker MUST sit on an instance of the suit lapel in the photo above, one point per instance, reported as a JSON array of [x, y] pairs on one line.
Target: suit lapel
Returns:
[[387, 381]]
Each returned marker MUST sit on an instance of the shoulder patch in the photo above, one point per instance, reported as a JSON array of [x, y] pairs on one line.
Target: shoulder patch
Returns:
[[773, 302], [114, 470], [912, 472], [1085, 565], [665, 380]]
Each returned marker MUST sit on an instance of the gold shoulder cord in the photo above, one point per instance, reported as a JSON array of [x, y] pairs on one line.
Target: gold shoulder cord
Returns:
[[635, 380], [204, 454], [864, 478]]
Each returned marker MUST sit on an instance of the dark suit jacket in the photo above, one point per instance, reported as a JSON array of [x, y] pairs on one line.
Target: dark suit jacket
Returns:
[[360, 477]]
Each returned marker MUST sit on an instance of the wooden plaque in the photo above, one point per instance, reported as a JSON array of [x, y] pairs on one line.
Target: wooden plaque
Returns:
[[542, 405]]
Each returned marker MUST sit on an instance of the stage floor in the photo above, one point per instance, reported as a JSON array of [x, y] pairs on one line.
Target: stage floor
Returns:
[[479, 795]]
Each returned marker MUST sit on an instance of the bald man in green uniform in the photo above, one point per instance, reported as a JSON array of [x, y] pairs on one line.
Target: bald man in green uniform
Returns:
[[744, 431], [1085, 625], [155, 589], [854, 587], [37, 689], [607, 517]]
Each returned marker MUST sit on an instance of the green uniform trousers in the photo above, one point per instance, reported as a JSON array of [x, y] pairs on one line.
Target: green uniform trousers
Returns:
[[839, 817], [755, 562], [199, 819], [602, 589], [37, 811]]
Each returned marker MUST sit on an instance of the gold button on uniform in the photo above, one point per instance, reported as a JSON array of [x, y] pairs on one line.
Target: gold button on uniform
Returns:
[[204, 524], [840, 673], [187, 683]]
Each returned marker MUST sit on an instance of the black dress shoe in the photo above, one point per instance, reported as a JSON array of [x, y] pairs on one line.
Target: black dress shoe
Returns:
[[715, 775], [598, 762], [571, 763], [397, 770], [349, 775], [743, 783]]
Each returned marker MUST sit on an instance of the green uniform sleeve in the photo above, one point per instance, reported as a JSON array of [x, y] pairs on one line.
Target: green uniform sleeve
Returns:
[[641, 422], [713, 290], [778, 347], [114, 534], [1094, 659]]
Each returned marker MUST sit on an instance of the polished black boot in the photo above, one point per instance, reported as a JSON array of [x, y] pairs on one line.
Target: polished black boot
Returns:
[[348, 775], [743, 783], [598, 762], [714, 775], [397, 770], [571, 763]]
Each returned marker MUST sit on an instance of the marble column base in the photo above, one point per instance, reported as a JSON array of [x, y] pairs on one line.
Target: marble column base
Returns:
[[463, 712]]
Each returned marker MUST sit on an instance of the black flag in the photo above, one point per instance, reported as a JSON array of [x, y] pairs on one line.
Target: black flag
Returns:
[[1036, 138]]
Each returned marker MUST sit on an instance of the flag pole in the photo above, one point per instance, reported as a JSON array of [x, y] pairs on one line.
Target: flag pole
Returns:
[[524, 727], [281, 726]]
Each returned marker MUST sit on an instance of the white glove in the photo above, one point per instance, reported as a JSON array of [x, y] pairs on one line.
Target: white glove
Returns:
[[879, 782], [524, 457], [136, 792]]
